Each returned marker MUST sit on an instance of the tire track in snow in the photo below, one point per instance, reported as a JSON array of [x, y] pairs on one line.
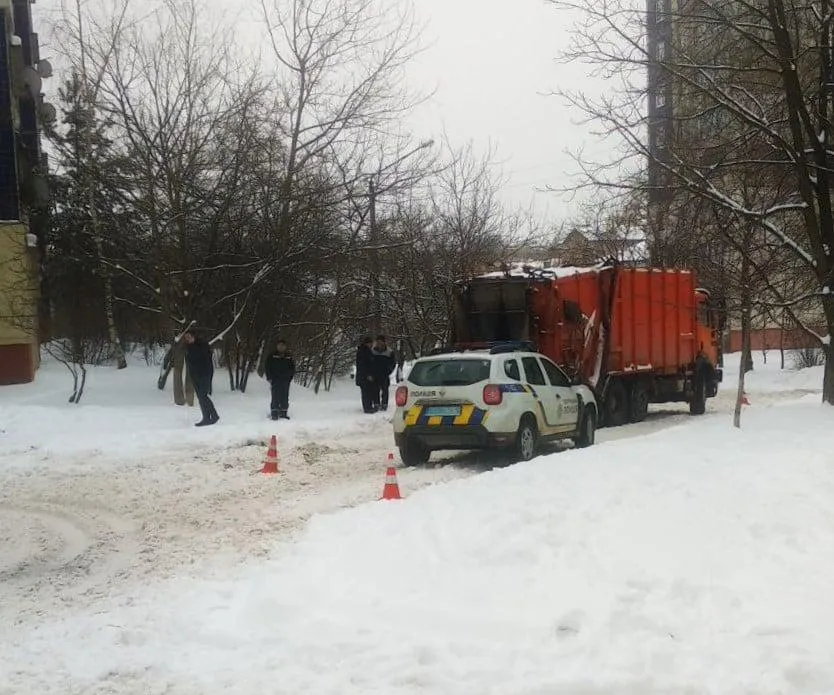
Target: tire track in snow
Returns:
[[60, 552]]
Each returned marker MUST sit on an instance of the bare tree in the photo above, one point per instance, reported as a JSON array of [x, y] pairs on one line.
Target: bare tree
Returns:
[[71, 28], [340, 76], [749, 132], [294, 205]]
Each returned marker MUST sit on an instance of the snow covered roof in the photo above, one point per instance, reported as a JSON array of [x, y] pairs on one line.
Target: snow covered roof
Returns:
[[536, 268]]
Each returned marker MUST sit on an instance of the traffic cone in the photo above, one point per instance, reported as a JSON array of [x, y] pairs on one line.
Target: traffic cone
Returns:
[[391, 491], [744, 399], [271, 462]]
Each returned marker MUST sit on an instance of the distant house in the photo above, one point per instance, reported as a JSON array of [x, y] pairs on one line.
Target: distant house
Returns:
[[580, 250]]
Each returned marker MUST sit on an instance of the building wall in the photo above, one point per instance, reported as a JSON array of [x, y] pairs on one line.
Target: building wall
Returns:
[[22, 181], [770, 339], [18, 306]]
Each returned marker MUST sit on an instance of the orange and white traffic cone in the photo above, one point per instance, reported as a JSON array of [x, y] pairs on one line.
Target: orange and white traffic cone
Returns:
[[271, 462], [744, 399], [391, 491]]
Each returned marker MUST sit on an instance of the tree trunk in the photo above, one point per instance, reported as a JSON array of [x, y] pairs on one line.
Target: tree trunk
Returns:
[[742, 371], [74, 371], [109, 313], [782, 341], [164, 372], [745, 363], [89, 185], [828, 351], [83, 383]]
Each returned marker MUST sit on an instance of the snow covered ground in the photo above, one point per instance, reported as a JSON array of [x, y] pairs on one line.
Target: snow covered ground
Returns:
[[139, 554], [122, 488]]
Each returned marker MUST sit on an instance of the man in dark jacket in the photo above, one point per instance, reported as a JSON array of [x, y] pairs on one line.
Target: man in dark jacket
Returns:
[[365, 374], [279, 372], [384, 364], [200, 364]]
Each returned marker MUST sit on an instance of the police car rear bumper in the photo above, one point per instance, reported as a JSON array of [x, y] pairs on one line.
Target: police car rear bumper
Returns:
[[454, 437]]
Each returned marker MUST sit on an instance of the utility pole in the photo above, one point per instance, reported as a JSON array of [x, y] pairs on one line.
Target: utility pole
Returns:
[[374, 260]]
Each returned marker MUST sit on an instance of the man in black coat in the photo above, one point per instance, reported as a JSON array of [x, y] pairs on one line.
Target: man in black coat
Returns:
[[384, 363], [200, 364], [365, 374], [279, 372]]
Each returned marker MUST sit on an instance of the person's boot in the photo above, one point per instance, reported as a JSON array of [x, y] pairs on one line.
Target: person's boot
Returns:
[[274, 414], [202, 423], [283, 415]]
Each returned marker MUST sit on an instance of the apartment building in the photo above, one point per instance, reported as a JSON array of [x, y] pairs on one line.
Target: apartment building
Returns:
[[23, 191], [660, 92], [684, 124]]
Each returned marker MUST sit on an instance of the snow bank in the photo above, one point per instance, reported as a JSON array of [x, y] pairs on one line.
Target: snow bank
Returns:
[[537, 268], [768, 377], [695, 560], [124, 414]]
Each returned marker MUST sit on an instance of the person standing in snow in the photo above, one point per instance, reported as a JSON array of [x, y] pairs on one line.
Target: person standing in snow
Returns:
[[365, 374], [384, 364], [279, 372], [200, 364]]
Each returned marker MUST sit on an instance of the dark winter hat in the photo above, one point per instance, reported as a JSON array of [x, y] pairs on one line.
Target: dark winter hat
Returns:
[[367, 339], [381, 337]]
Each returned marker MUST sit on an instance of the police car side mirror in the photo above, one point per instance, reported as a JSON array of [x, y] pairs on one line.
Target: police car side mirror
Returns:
[[576, 380]]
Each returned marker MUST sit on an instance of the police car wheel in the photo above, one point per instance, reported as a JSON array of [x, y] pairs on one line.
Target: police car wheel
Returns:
[[587, 430], [526, 440], [414, 454]]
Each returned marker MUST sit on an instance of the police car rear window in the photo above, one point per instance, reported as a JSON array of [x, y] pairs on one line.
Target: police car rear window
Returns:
[[449, 372]]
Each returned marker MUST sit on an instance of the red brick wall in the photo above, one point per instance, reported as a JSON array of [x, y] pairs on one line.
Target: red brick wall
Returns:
[[17, 364], [771, 339]]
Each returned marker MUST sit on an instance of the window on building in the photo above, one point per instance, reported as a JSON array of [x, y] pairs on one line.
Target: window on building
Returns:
[[660, 51], [659, 99], [660, 135]]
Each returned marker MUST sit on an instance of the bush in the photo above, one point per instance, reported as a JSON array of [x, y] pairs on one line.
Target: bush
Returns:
[[808, 357]]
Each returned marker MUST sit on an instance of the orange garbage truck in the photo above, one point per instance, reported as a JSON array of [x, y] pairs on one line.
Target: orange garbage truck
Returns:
[[635, 336]]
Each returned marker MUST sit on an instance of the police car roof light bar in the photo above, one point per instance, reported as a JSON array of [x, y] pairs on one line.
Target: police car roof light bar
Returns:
[[511, 346]]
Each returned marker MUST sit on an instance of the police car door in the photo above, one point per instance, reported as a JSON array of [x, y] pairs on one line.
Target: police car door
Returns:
[[567, 402], [545, 396]]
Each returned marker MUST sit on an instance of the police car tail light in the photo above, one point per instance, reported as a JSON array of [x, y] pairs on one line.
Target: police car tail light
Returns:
[[401, 396], [493, 395]]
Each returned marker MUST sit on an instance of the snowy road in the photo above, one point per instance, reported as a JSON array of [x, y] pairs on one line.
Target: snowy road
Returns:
[[75, 528], [111, 513], [72, 534], [78, 522], [70, 537]]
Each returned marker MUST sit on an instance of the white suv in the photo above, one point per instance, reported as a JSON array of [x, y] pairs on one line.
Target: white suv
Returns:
[[498, 398]]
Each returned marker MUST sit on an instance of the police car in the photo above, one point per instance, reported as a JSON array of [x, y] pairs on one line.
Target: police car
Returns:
[[505, 397]]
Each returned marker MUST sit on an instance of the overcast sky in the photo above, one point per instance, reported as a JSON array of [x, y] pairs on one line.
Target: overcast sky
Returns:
[[492, 63]]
